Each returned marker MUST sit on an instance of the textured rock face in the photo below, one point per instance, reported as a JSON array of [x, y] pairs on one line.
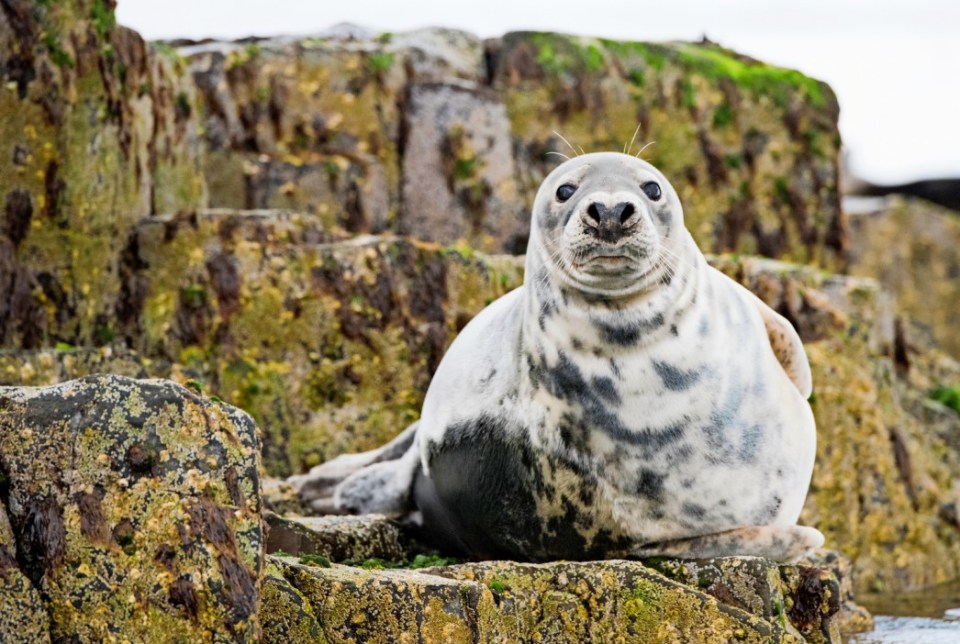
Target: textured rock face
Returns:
[[97, 133], [134, 510], [913, 248], [437, 135], [741, 599], [310, 338]]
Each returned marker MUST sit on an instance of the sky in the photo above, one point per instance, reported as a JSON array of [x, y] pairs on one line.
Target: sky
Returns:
[[895, 65]]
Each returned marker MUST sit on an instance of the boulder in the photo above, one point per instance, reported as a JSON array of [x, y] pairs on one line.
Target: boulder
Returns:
[[437, 135], [913, 248], [98, 132], [497, 600], [134, 512], [23, 616], [330, 346]]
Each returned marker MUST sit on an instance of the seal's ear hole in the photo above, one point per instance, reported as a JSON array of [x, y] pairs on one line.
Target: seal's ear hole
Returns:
[[652, 190], [566, 191]]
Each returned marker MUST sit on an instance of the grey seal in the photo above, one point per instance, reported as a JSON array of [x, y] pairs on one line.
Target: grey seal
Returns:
[[628, 400]]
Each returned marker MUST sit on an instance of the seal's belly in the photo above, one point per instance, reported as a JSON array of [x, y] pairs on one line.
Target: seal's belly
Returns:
[[492, 493]]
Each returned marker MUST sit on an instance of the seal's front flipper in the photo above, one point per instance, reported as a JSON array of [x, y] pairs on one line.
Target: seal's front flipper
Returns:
[[318, 486], [787, 346], [780, 543]]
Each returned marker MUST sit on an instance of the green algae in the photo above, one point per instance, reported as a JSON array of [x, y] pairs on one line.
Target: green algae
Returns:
[[948, 396]]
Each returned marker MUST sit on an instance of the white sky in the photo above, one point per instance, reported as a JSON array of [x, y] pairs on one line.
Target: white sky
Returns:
[[895, 66]]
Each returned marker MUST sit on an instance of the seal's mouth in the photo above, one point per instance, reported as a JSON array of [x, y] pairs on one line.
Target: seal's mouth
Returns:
[[605, 260]]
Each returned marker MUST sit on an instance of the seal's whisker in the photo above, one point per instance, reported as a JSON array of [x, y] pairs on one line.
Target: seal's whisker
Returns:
[[644, 148], [559, 154], [627, 148], [568, 143]]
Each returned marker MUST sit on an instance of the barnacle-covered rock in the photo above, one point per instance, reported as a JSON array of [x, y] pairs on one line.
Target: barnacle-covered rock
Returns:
[[555, 602], [134, 508], [438, 135], [912, 247], [98, 131]]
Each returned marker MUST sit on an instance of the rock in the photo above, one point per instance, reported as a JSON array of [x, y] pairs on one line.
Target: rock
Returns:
[[339, 538], [436, 134], [98, 132], [459, 179], [913, 248], [852, 618], [310, 338], [43, 367], [22, 613], [135, 509], [287, 616], [560, 601], [494, 601]]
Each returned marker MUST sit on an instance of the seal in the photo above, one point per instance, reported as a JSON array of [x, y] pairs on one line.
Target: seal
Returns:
[[628, 400]]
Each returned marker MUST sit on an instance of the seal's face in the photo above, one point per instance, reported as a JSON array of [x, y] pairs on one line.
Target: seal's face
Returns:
[[607, 222]]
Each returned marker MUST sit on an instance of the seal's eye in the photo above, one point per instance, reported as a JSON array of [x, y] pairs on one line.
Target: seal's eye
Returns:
[[652, 190], [565, 191]]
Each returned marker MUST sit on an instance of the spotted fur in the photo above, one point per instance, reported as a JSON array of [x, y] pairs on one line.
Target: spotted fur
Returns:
[[628, 400]]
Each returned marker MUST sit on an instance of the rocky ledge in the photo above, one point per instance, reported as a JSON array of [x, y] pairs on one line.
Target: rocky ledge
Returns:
[[309, 597], [131, 510]]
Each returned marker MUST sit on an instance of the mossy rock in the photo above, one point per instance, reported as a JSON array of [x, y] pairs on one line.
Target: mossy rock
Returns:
[[94, 140], [751, 148], [135, 509], [311, 338], [491, 601], [913, 248], [23, 617]]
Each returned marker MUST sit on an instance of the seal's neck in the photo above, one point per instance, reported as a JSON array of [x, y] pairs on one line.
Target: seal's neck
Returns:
[[560, 317]]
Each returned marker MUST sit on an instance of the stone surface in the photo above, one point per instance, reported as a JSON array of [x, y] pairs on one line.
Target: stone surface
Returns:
[[134, 508], [436, 134], [339, 538], [913, 248], [23, 616], [97, 132], [311, 338], [504, 601]]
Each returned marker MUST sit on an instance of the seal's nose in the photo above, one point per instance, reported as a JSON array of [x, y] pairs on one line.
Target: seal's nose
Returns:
[[609, 221]]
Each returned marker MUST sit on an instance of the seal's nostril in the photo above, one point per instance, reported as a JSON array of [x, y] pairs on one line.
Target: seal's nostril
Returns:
[[594, 212], [626, 212]]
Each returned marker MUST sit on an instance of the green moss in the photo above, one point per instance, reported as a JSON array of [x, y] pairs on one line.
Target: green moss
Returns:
[[781, 189], [58, 55], [716, 62], [465, 168], [560, 54], [592, 58], [102, 18], [318, 561], [497, 585], [689, 98], [733, 160], [723, 115], [949, 396], [430, 561], [652, 54], [380, 62]]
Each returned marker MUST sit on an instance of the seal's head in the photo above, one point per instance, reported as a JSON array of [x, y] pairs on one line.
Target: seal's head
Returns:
[[608, 223]]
